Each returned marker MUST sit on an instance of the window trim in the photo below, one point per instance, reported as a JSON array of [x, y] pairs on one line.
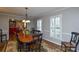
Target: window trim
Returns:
[[51, 35], [41, 24]]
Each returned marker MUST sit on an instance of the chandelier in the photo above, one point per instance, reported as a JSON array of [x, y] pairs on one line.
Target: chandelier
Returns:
[[26, 20]]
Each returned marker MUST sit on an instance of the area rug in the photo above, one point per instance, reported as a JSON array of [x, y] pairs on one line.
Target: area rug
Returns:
[[12, 47], [48, 49]]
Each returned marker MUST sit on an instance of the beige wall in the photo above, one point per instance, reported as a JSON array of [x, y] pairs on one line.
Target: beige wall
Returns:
[[4, 22], [70, 22]]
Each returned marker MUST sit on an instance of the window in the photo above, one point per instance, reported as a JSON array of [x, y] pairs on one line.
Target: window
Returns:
[[39, 25], [56, 27]]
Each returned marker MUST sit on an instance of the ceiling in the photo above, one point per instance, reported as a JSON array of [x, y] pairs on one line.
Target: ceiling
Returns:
[[32, 11]]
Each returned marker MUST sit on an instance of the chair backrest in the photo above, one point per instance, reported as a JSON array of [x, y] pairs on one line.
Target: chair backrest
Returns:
[[40, 37], [74, 38], [36, 31], [17, 37], [0, 31], [19, 43], [0, 35]]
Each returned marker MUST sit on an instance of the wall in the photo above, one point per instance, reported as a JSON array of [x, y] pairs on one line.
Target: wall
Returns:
[[4, 22], [4, 25], [70, 22], [32, 24]]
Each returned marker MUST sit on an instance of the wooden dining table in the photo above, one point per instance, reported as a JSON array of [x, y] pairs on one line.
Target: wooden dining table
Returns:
[[25, 38]]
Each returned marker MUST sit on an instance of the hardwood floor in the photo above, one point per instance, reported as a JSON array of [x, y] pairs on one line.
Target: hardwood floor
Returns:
[[48, 46], [2, 46], [51, 47]]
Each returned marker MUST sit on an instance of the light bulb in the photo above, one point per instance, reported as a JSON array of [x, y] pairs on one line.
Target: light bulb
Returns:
[[27, 21]]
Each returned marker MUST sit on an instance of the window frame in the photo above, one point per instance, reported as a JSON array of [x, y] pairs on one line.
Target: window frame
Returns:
[[40, 26], [52, 34]]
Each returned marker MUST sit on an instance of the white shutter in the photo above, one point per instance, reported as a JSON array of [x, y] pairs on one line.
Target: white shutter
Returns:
[[39, 25], [56, 27]]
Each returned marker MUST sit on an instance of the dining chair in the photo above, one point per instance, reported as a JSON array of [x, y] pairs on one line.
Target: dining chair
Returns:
[[3, 37], [39, 41], [72, 45], [36, 44], [19, 44], [23, 46], [0, 35], [35, 31]]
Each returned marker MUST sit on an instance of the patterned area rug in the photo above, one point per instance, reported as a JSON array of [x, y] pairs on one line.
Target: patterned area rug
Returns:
[[48, 49], [12, 47]]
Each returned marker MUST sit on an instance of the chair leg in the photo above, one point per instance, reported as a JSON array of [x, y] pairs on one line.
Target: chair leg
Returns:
[[1, 38], [28, 48], [75, 50], [65, 48], [61, 48], [20, 49], [39, 47]]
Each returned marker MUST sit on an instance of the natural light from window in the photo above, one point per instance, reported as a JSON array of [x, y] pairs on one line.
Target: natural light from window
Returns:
[[56, 27], [39, 25]]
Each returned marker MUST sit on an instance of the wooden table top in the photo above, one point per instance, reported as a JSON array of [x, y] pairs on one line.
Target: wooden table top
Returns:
[[25, 38]]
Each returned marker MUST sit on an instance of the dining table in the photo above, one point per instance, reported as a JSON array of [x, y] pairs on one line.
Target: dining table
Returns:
[[26, 39]]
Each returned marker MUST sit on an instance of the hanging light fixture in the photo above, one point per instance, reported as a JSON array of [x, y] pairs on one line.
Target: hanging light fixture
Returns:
[[26, 20]]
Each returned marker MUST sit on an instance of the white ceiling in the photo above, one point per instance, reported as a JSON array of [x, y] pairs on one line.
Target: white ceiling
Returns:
[[32, 11]]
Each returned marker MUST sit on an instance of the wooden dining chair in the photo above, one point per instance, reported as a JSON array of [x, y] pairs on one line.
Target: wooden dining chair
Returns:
[[0, 35], [36, 44], [19, 44], [35, 31], [3, 37], [39, 42], [23, 46], [72, 45]]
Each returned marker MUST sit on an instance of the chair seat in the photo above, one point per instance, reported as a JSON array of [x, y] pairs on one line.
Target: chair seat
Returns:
[[33, 46], [68, 44], [73, 42]]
